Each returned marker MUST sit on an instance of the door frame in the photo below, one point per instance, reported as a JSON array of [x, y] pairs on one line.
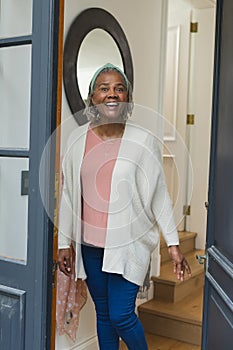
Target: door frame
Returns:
[[214, 128], [46, 31], [31, 283]]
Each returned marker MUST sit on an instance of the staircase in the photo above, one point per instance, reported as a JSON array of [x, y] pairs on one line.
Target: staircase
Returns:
[[176, 310]]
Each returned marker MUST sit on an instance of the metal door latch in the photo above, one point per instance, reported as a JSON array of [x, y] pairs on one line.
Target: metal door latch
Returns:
[[201, 259]]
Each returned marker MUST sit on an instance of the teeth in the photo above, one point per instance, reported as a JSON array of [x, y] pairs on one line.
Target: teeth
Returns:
[[112, 104]]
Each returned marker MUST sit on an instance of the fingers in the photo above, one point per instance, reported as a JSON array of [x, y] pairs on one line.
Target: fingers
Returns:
[[188, 269], [179, 272], [174, 267], [65, 268], [181, 269], [180, 264], [64, 261]]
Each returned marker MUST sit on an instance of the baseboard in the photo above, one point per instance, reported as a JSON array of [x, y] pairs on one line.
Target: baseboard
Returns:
[[91, 344]]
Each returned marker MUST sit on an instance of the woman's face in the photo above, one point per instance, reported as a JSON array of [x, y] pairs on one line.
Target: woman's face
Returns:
[[110, 95]]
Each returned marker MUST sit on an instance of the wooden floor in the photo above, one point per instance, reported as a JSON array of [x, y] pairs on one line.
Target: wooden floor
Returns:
[[160, 343]]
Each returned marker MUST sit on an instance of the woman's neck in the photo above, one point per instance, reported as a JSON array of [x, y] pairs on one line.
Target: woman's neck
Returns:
[[110, 130]]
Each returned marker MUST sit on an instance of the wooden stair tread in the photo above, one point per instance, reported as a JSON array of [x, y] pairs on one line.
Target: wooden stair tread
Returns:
[[187, 310], [176, 310], [166, 271], [156, 342], [183, 236]]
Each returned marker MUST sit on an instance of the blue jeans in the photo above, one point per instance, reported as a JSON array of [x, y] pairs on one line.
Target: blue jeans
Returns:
[[114, 298]]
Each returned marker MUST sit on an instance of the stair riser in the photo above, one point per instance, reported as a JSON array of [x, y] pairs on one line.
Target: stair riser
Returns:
[[173, 293], [186, 246], [179, 330]]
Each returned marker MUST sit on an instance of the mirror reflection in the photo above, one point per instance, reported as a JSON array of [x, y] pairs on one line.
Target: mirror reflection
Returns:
[[97, 48]]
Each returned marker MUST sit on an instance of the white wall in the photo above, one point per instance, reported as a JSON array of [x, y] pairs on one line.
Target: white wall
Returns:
[[144, 25]]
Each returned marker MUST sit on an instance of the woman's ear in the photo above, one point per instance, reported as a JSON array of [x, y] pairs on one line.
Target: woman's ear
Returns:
[[91, 98]]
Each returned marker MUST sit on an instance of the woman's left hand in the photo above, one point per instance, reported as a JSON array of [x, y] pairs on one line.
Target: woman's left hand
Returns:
[[180, 264]]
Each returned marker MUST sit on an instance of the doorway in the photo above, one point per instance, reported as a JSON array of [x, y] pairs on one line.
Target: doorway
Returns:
[[187, 107], [182, 80]]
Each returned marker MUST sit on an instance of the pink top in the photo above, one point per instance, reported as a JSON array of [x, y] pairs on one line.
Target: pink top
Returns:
[[96, 176]]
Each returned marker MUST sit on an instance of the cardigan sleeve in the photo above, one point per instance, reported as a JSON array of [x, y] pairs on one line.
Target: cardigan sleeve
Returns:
[[65, 211], [161, 203]]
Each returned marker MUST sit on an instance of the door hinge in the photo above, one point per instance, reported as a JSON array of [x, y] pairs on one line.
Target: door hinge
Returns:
[[194, 27], [54, 269], [190, 119], [187, 210]]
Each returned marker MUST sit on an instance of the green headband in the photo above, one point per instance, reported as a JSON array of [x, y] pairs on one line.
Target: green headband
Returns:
[[107, 66]]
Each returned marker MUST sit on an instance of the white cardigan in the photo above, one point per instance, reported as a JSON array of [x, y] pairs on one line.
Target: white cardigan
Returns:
[[139, 204]]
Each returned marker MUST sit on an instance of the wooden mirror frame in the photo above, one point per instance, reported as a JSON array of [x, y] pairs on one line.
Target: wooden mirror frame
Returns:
[[85, 22]]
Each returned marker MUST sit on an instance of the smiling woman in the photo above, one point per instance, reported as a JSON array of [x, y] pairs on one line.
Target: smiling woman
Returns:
[[110, 95], [110, 208], [86, 26]]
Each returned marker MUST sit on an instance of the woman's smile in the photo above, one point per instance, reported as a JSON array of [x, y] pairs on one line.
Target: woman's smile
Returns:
[[110, 94]]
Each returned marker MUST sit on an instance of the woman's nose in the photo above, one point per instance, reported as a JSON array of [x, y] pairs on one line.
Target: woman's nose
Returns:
[[112, 93]]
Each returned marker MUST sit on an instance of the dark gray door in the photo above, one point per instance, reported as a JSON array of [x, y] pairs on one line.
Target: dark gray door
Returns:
[[218, 301], [27, 117]]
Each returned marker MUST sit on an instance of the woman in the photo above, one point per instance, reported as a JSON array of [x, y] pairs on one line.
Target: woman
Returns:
[[114, 199]]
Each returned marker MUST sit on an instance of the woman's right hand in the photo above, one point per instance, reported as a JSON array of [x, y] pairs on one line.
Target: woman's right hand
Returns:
[[64, 261]]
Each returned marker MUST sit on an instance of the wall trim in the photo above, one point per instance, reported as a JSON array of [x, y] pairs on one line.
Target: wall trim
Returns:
[[163, 51], [90, 344], [171, 80]]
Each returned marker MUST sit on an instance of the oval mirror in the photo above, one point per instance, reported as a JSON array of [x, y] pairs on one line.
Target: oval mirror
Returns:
[[95, 48], [80, 54]]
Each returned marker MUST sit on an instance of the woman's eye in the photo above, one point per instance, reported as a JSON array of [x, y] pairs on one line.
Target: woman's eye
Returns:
[[119, 89], [104, 89]]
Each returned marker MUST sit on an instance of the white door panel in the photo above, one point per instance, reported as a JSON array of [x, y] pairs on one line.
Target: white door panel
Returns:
[[175, 107]]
